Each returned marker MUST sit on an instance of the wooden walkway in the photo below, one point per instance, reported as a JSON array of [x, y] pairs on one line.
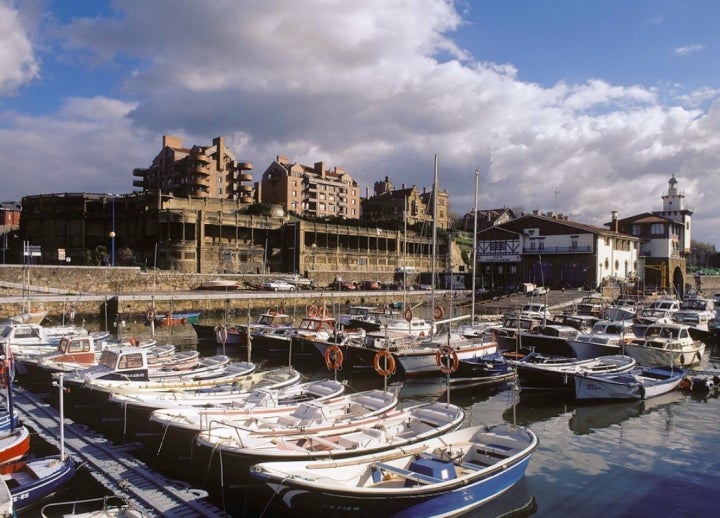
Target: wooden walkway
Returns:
[[112, 466]]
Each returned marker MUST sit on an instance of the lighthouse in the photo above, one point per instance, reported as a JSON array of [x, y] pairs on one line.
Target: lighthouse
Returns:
[[674, 208]]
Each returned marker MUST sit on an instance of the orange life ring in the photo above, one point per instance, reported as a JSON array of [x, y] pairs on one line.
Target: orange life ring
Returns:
[[221, 334], [447, 359], [421, 333], [312, 311], [408, 315], [150, 314], [183, 320], [438, 312], [3, 375], [384, 370], [134, 342], [333, 358]]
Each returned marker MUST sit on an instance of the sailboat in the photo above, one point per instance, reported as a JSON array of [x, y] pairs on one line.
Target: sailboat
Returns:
[[424, 357]]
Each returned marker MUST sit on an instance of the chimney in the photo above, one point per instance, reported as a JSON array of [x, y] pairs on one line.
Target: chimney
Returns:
[[614, 221], [320, 169]]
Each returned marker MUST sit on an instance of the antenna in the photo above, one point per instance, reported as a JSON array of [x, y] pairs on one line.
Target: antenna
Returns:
[[556, 191]]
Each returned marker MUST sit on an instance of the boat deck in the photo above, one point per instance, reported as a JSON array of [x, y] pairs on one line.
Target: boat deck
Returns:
[[112, 466]]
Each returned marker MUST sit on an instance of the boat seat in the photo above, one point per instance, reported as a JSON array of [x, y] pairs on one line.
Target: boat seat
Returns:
[[412, 476], [491, 450]]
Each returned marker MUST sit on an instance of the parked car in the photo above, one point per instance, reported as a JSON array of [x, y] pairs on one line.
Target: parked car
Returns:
[[371, 285], [279, 285], [344, 285]]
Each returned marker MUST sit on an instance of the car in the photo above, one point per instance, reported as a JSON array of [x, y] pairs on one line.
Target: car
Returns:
[[539, 290], [278, 285], [344, 285], [371, 285]]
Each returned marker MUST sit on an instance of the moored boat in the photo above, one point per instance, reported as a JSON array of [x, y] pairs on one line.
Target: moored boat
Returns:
[[443, 476], [538, 373], [666, 344], [639, 383]]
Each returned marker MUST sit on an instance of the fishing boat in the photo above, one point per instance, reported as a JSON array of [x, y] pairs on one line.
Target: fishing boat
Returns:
[[224, 374], [308, 417], [539, 373], [607, 337], [442, 476], [132, 364], [480, 371], [237, 334], [422, 358], [256, 390], [639, 383], [666, 344], [37, 479], [397, 428], [14, 444]]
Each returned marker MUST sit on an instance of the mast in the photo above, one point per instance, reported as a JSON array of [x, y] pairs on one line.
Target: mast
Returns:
[[474, 254], [434, 244]]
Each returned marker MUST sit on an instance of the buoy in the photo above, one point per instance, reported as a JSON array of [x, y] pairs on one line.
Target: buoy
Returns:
[[447, 359], [333, 358], [388, 369]]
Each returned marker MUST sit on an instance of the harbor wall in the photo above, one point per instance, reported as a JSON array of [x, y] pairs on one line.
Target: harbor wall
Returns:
[[101, 293]]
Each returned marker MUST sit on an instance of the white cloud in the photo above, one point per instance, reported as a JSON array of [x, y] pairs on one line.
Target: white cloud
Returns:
[[689, 49], [378, 88], [18, 64], [88, 146]]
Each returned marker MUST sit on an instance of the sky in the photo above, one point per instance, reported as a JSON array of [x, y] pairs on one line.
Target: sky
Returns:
[[580, 107]]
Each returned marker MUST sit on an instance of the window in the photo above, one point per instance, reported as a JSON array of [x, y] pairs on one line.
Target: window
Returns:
[[657, 229], [574, 243]]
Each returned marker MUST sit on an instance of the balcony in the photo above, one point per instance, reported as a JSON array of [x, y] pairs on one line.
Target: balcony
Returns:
[[587, 249]]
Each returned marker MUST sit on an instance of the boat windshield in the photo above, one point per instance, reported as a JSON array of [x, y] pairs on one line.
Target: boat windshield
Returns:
[[662, 332], [108, 359]]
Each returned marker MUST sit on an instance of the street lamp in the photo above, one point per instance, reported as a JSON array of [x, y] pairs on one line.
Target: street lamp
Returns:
[[112, 234], [314, 252]]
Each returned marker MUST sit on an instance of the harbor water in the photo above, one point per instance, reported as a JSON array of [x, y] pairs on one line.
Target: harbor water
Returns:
[[654, 458]]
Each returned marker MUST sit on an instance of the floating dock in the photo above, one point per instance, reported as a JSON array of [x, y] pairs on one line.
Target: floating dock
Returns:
[[112, 466]]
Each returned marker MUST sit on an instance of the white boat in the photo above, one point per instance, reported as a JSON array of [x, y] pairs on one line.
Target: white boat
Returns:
[[607, 337], [538, 373], [29, 317], [422, 357], [639, 383], [264, 389], [362, 314], [309, 417], [224, 374], [666, 344], [25, 337], [443, 476], [219, 285], [397, 428], [237, 334]]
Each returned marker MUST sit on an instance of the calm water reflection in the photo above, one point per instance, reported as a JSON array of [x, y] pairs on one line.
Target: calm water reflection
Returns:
[[651, 458]]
